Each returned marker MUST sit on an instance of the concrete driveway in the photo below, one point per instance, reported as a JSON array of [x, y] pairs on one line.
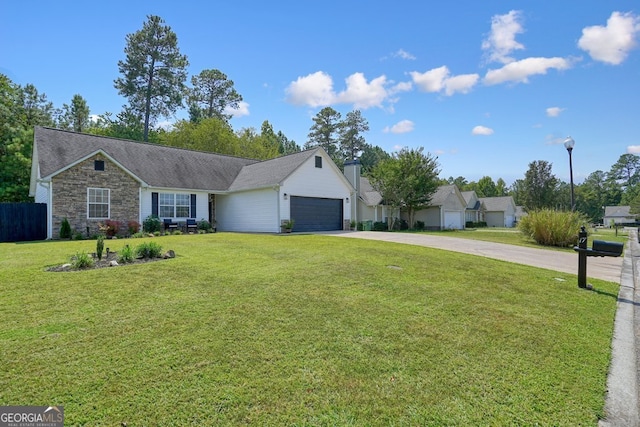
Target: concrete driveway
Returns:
[[608, 269]]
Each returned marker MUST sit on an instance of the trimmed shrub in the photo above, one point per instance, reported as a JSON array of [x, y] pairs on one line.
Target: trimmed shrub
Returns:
[[65, 229], [126, 255], [204, 225], [379, 226], [419, 225], [82, 260], [110, 228], [148, 250], [100, 247], [133, 227], [552, 228], [152, 224]]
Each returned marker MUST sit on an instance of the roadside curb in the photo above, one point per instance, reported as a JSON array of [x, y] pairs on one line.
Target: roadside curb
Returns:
[[621, 402]]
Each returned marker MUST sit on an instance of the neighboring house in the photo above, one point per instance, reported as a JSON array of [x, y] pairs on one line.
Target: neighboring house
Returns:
[[472, 211], [498, 211], [618, 215], [369, 205], [520, 213], [446, 210], [89, 179]]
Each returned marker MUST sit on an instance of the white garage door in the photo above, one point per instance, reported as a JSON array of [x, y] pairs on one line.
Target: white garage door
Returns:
[[452, 220]]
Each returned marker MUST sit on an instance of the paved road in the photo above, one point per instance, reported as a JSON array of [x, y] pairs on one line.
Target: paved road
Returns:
[[601, 268]]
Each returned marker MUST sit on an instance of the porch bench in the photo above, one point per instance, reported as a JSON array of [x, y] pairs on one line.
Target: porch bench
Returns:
[[169, 224], [192, 225]]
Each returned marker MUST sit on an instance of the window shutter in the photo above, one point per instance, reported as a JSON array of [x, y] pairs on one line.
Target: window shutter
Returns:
[[193, 206], [154, 204]]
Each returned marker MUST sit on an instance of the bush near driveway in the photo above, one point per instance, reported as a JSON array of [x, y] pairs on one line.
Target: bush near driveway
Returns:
[[552, 228]]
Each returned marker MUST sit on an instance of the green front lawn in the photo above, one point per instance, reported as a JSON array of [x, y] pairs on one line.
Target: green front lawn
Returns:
[[301, 330]]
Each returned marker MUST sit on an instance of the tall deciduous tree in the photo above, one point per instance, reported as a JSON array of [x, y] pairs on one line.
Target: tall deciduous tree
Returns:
[[407, 180], [75, 116], [350, 133], [286, 145], [371, 156], [153, 73], [539, 186], [20, 110], [212, 95], [486, 187], [324, 132]]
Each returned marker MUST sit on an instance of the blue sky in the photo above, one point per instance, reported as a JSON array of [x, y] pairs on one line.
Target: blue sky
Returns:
[[486, 86]]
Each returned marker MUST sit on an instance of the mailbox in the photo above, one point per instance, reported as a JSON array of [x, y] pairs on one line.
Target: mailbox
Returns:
[[603, 248]]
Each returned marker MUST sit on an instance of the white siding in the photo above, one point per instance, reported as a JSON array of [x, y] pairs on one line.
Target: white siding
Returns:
[[430, 217], [43, 196], [494, 219], [202, 202], [310, 181], [453, 220], [248, 211]]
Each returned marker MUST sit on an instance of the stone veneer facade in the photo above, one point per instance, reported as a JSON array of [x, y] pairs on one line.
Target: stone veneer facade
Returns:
[[70, 196]]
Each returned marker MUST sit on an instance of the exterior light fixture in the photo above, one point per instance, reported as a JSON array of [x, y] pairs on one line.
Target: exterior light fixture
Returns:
[[569, 144]]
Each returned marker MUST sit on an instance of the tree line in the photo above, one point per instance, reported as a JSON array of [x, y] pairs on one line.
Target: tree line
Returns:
[[153, 80]]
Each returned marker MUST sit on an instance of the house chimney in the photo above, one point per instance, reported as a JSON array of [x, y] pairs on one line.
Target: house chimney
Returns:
[[352, 170]]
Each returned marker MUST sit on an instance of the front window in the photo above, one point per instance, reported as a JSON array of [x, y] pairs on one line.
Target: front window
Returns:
[[166, 205], [174, 205], [183, 203], [98, 203]]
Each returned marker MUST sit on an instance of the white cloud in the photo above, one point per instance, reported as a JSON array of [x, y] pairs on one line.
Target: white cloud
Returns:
[[502, 39], [633, 149], [363, 94], [242, 110], [401, 87], [438, 79], [314, 90], [401, 53], [402, 126], [482, 130], [554, 111], [611, 44], [519, 71], [462, 83]]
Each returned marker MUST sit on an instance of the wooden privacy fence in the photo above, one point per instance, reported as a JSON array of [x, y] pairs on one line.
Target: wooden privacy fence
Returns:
[[23, 222]]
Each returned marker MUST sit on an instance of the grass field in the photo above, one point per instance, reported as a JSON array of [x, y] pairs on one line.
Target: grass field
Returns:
[[301, 330], [512, 236]]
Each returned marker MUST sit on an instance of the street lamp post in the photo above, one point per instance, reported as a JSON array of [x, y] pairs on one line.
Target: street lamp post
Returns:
[[568, 144]]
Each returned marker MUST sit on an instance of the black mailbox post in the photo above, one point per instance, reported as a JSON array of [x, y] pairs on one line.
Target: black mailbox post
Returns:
[[599, 248]]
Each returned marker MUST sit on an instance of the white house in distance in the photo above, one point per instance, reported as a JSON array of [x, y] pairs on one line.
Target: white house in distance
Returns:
[[472, 212], [446, 211], [618, 215], [498, 211]]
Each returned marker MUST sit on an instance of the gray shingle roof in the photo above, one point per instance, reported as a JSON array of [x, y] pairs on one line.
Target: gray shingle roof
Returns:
[[439, 198], [369, 196], [468, 197], [162, 166], [269, 172], [497, 204], [617, 211]]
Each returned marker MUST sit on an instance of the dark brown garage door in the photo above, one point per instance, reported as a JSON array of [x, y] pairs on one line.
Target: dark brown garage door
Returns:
[[316, 214]]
